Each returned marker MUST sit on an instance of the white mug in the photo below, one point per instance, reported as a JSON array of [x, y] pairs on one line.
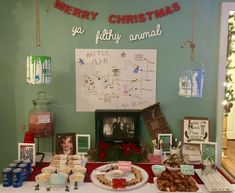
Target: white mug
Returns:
[[157, 151]]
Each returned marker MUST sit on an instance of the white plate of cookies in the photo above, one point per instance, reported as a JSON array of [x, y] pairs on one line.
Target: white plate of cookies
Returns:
[[106, 178]]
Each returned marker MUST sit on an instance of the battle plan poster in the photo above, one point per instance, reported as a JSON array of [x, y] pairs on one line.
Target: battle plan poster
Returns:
[[115, 78]]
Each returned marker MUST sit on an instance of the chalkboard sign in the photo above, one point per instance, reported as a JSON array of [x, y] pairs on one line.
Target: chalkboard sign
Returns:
[[167, 141], [209, 150]]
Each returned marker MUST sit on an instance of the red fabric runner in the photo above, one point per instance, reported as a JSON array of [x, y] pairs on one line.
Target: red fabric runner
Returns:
[[93, 165]]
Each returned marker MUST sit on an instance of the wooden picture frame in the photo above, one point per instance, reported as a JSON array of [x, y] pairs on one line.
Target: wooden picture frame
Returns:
[[195, 129], [209, 150], [66, 143], [83, 143], [26, 151], [167, 141]]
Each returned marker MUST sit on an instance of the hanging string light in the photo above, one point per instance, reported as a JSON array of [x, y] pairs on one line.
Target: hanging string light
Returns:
[[229, 91]]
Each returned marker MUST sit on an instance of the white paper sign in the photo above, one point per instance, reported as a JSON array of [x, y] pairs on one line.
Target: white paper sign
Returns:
[[115, 78], [187, 169]]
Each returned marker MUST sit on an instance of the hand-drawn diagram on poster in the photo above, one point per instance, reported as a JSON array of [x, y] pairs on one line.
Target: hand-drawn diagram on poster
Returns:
[[115, 78]]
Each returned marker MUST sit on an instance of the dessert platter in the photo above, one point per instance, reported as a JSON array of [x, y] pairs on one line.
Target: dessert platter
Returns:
[[110, 177], [175, 181]]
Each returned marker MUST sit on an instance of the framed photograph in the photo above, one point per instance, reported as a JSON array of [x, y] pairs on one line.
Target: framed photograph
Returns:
[[83, 143], [209, 150], [26, 151], [195, 129], [167, 141], [66, 143]]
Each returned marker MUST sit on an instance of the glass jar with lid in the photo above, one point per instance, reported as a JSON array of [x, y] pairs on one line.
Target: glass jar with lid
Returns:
[[40, 117]]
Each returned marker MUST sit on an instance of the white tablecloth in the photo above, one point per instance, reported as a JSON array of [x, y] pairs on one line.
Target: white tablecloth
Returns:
[[28, 187]]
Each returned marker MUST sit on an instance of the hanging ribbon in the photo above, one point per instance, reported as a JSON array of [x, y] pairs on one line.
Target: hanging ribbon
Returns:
[[37, 22], [191, 42]]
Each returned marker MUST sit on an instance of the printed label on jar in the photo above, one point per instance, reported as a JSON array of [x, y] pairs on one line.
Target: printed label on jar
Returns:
[[44, 118]]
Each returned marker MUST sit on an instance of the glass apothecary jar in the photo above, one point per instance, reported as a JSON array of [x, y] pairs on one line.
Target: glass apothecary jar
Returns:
[[40, 117]]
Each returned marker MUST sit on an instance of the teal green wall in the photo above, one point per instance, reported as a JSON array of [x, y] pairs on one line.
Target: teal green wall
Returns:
[[17, 35]]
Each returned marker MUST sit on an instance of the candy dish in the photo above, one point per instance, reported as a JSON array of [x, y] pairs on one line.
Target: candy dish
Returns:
[[173, 162]]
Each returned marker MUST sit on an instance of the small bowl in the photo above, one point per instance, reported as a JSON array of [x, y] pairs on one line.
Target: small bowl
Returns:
[[60, 156], [58, 179], [173, 163], [65, 169], [74, 157], [48, 169], [59, 162], [42, 179], [116, 173], [158, 169], [171, 169], [79, 169], [76, 178]]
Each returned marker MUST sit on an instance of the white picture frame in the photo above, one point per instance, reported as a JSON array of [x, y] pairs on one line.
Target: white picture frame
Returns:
[[167, 141], [83, 143], [26, 151], [196, 129]]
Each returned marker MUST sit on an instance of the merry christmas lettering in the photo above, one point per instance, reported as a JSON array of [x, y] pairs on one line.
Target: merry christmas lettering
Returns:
[[70, 10], [116, 18]]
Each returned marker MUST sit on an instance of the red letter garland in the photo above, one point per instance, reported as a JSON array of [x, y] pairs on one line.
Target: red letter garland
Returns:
[[118, 19]]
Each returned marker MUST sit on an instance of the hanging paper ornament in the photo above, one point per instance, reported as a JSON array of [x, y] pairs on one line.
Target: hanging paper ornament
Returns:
[[191, 83], [38, 69]]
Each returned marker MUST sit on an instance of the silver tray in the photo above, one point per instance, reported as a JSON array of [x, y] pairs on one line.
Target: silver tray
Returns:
[[215, 182]]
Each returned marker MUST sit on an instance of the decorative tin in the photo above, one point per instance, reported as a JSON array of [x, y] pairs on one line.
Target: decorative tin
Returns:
[[12, 165], [7, 177], [17, 177], [18, 162], [29, 166], [24, 171]]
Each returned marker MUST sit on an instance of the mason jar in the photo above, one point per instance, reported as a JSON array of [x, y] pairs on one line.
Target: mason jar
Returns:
[[40, 117]]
